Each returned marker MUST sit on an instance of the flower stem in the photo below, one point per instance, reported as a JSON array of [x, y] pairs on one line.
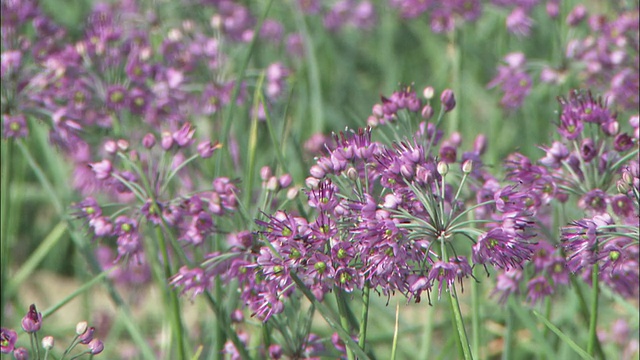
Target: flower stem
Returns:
[[457, 314], [475, 317], [365, 316], [593, 336], [344, 319], [4, 215], [176, 322]]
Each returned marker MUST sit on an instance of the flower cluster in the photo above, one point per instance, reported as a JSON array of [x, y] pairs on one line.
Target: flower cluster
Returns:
[[608, 56], [513, 80], [32, 324], [390, 218], [594, 166]]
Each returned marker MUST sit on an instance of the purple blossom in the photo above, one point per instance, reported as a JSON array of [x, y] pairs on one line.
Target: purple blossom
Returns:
[[8, 339], [14, 126], [32, 321]]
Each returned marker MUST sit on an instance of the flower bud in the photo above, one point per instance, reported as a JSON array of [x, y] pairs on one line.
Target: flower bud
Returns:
[[622, 186], [292, 193], [21, 354], [317, 172], [96, 346], [372, 121], [148, 141], [47, 342], [352, 174], [427, 112], [265, 173], [123, 145], [32, 322], [448, 100], [285, 180], [110, 147], [81, 327], [272, 184], [166, 141], [467, 166], [312, 182], [428, 92], [443, 168]]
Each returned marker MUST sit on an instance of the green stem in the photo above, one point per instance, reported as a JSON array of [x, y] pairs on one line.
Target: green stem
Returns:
[[593, 336], [475, 317], [584, 310], [364, 316], [4, 217], [508, 333], [223, 324], [344, 318], [394, 345], [176, 322], [457, 314], [427, 331]]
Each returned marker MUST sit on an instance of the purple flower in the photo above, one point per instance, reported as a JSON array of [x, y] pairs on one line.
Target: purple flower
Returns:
[[102, 169], [8, 339], [519, 23], [21, 353], [538, 288], [95, 347], [32, 322], [444, 273], [595, 200], [184, 136], [14, 126], [448, 100], [500, 249], [195, 280]]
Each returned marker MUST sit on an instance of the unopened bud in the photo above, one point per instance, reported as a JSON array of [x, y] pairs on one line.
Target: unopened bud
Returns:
[[428, 92], [467, 166], [148, 141], [427, 112], [81, 327], [352, 174], [47, 342], [443, 168], [448, 100], [110, 147], [292, 193], [123, 144], [622, 186], [265, 173], [272, 184], [285, 180]]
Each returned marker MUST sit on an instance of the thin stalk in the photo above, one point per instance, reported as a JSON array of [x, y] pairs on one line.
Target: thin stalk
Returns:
[[176, 322], [584, 310], [344, 319], [508, 334], [5, 177], [457, 314], [593, 336], [394, 346], [426, 335], [475, 318], [364, 316]]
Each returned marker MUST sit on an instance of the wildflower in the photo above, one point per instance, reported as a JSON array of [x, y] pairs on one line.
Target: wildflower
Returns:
[[538, 288], [21, 353], [95, 347], [47, 342], [8, 339], [32, 321], [14, 126], [448, 100]]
